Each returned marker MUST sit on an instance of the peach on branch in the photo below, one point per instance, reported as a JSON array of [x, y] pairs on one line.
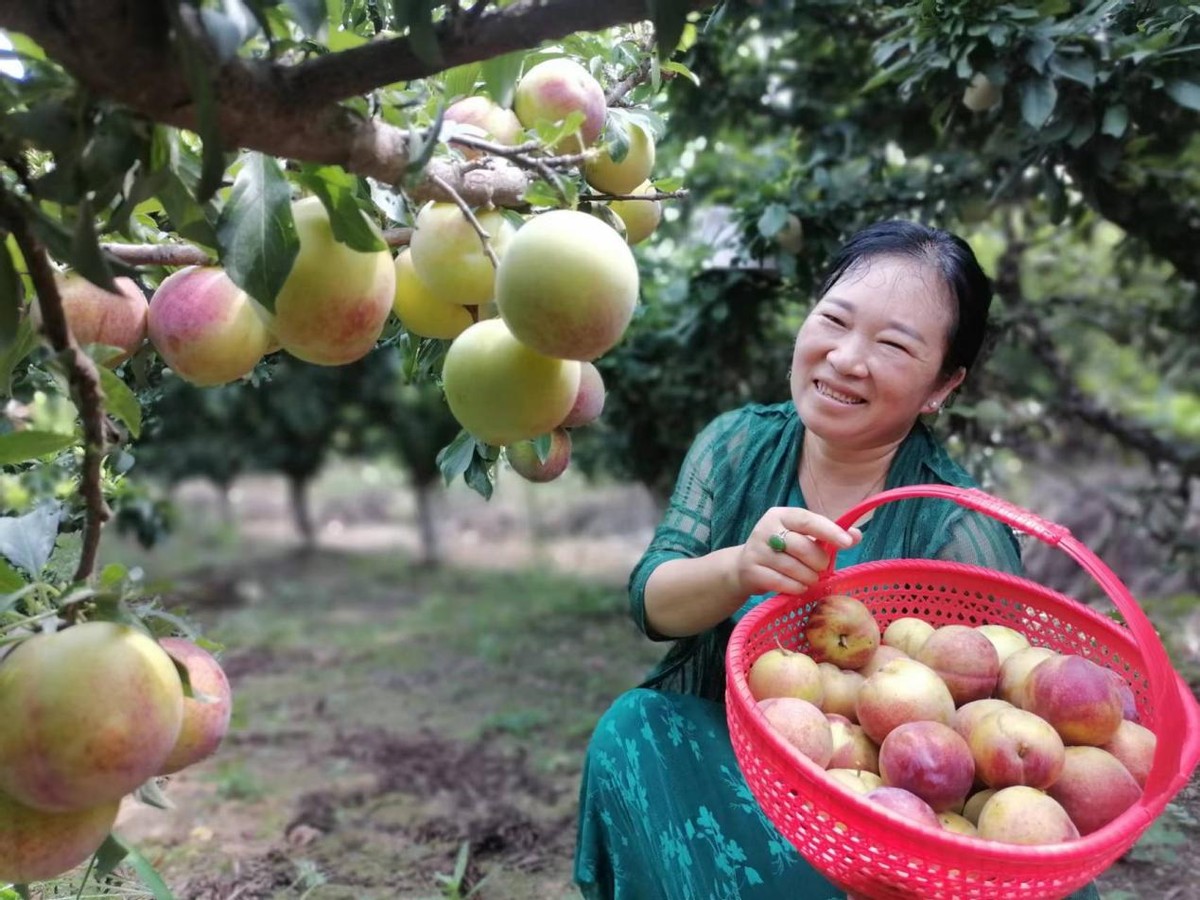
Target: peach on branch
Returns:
[[97, 316], [840, 629], [1015, 670], [981, 94], [1014, 746], [495, 123], [523, 458], [422, 312], [335, 300], [840, 690], [802, 725], [589, 402], [1025, 815], [902, 691], [501, 391], [852, 749], [931, 760], [205, 327], [91, 712], [613, 177], [550, 91], [907, 634], [641, 217], [1094, 788], [567, 285], [36, 845], [1076, 696], [206, 713], [964, 658], [448, 253], [1007, 641], [780, 672], [1134, 746]]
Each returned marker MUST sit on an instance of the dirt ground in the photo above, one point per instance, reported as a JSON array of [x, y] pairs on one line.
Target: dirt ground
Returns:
[[404, 732]]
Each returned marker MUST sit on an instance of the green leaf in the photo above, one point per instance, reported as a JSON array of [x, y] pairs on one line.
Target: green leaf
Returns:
[[86, 256], [23, 446], [460, 81], [10, 579], [338, 190], [12, 299], [256, 233], [478, 477], [541, 445], [455, 457], [772, 220], [417, 16], [500, 76], [188, 218], [23, 344], [1076, 68], [1038, 52], [680, 69], [1038, 97], [110, 855], [308, 14], [121, 401], [27, 541], [150, 878], [669, 18], [1185, 93], [1116, 121]]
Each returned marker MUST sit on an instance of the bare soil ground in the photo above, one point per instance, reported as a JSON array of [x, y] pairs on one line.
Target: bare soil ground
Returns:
[[389, 716]]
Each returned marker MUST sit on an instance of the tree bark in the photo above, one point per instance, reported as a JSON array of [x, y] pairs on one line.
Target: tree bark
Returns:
[[302, 510], [431, 554]]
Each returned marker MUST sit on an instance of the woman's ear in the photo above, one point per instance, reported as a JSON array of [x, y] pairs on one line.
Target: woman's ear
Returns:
[[944, 390]]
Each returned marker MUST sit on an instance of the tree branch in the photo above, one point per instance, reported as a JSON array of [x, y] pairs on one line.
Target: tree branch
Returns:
[[175, 255]]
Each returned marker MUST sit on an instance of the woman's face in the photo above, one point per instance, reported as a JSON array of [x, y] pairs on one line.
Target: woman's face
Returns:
[[868, 357]]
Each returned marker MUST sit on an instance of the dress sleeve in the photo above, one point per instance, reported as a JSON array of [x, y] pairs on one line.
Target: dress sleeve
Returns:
[[980, 540], [686, 530]]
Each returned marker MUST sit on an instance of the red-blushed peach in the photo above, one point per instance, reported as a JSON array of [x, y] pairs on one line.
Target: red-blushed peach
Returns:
[[802, 725], [956, 822], [523, 458], [883, 655], [497, 124], [1134, 746], [589, 402], [37, 845], [1129, 708], [907, 633], [448, 255], [97, 316], [840, 688], [1094, 788], [857, 780], [967, 716], [931, 760], [780, 672], [852, 749], [841, 629], [1025, 815], [902, 691], [906, 804], [1006, 640], [974, 804], [964, 658], [206, 714], [1014, 746], [550, 91], [609, 176], [1015, 670], [1076, 696]]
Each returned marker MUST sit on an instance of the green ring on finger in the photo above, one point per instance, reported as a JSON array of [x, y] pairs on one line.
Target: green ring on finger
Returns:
[[778, 541]]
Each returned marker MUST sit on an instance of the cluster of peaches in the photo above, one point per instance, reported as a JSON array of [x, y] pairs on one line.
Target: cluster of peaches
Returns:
[[90, 713], [961, 728]]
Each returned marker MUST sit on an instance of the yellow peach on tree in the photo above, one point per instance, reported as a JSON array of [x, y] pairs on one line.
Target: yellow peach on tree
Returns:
[[36, 845], [641, 217], [606, 174], [422, 312], [550, 91], [448, 255]]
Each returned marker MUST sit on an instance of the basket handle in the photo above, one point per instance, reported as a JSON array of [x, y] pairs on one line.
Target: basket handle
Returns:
[[1170, 769]]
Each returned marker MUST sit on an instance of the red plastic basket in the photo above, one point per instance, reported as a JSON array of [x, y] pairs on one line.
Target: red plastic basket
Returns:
[[873, 852]]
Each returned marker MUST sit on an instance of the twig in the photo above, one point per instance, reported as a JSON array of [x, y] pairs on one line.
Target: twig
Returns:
[[484, 237], [638, 76], [657, 195], [171, 255], [82, 376]]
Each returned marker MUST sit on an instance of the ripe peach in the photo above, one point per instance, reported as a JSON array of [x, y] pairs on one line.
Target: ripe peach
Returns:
[[780, 672], [902, 691], [91, 712], [554, 89], [802, 725], [497, 124], [422, 312], [1076, 696], [967, 716], [1007, 641], [605, 174], [841, 629], [1133, 745], [907, 633], [36, 845], [1129, 708], [522, 457], [97, 316], [956, 822], [1025, 815], [206, 714], [448, 255], [852, 749], [840, 690], [905, 803], [856, 780], [1094, 788], [883, 655], [589, 402], [964, 658], [640, 217], [1015, 669], [1014, 746], [974, 804], [931, 760]]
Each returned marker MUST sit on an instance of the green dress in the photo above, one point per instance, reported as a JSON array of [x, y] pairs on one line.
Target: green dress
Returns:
[[664, 811]]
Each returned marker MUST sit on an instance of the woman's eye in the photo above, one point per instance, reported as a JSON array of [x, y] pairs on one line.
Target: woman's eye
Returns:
[[895, 346], [832, 318]]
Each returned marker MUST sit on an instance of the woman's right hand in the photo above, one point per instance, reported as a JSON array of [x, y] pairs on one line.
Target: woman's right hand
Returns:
[[761, 569]]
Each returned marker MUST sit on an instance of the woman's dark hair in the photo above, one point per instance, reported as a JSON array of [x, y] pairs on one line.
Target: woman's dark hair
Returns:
[[950, 255]]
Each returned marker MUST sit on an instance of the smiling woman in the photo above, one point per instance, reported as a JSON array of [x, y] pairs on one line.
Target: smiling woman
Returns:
[[664, 810]]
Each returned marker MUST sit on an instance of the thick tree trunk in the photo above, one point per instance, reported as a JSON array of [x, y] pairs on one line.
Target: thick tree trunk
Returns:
[[301, 509], [431, 554]]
